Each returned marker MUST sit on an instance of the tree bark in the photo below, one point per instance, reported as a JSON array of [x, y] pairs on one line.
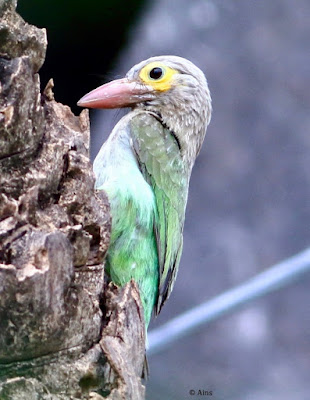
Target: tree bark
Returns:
[[64, 333]]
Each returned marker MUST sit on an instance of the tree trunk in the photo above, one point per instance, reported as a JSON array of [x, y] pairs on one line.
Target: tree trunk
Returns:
[[64, 333]]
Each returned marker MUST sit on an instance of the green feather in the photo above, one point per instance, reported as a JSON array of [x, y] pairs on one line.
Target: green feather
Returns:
[[162, 166], [141, 169]]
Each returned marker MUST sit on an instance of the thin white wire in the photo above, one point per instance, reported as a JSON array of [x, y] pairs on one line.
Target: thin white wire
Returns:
[[274, 278]]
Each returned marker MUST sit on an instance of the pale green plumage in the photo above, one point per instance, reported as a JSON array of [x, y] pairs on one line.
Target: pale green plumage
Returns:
[[162, 167], [147, 200], [132, 251], [145, 167]]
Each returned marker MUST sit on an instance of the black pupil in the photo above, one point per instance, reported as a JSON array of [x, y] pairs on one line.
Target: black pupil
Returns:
[[156, 73]]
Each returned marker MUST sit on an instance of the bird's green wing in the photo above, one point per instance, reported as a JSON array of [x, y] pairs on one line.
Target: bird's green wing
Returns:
[[160, 161]]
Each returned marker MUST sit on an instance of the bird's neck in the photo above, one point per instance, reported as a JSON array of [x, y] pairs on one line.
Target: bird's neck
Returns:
[[187, 121], [188, 130]]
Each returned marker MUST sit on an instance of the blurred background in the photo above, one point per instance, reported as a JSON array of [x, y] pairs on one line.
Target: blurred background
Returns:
[[249, 201]]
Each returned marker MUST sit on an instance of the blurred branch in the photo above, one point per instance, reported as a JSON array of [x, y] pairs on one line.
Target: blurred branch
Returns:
[[274, 278]]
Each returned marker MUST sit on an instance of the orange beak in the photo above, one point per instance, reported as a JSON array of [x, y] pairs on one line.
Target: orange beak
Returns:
[[117, 94]]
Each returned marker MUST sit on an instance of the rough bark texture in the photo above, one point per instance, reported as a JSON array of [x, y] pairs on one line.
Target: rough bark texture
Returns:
[[64, 334]]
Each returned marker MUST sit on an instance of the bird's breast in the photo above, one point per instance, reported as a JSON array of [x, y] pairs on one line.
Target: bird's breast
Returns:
[[117, 173]]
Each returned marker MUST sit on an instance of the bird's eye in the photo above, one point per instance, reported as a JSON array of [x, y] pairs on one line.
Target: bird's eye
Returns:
[[156, 73]]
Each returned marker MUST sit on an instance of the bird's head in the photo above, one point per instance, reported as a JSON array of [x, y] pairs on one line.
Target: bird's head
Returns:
[[171, 87]]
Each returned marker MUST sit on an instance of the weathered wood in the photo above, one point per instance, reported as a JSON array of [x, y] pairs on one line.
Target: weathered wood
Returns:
[[64, 334]]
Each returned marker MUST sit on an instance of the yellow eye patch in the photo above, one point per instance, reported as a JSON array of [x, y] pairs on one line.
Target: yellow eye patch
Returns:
[[157, 75]]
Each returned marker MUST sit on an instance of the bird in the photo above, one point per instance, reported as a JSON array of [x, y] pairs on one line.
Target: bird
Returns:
[[144, 167]]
